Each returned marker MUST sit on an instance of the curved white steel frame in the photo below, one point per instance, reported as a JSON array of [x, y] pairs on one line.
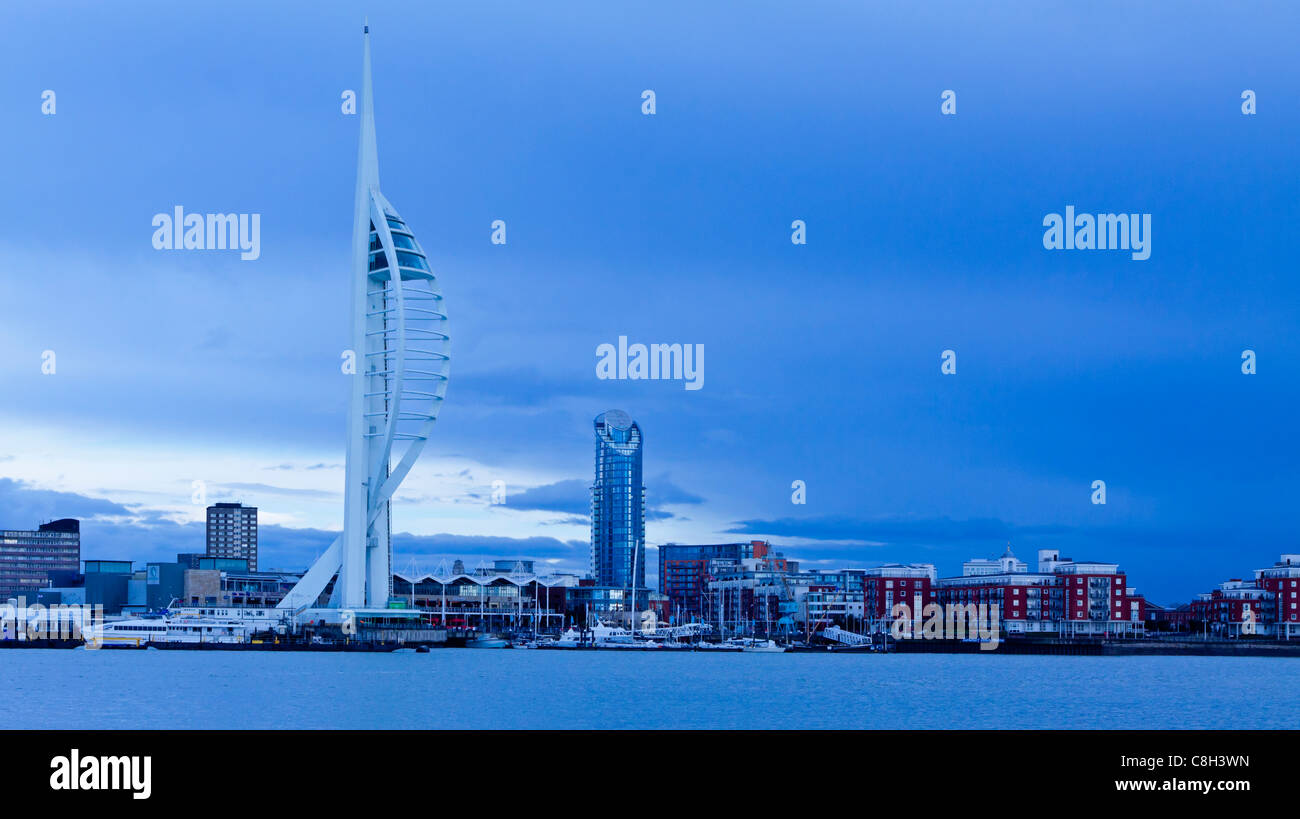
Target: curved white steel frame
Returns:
[[399, 328]]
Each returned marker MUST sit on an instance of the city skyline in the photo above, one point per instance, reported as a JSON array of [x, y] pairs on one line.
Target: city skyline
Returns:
[[1072, 368]]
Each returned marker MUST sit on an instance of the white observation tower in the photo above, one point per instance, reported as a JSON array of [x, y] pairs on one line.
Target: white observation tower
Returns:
[[400, 345]]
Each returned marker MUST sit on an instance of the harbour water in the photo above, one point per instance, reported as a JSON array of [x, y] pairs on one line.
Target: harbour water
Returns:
[[469, 689]]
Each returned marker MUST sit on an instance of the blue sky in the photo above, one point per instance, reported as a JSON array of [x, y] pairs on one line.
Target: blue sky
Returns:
[[924, 234]]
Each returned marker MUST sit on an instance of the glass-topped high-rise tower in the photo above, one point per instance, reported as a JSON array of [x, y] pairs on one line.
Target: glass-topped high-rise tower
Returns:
[[618, 503]]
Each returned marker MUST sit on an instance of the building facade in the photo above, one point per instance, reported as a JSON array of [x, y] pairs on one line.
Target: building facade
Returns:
[[232, 532], [1266, 606], [1282, 583], [885, 586], [618, 503], [752, 594], [27, 557], [1063, 597], [684, 570]]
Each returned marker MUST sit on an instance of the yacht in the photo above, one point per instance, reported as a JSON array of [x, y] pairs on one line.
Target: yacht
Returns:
[[570, 639], [723, 646], [603, 636], [753, 644]]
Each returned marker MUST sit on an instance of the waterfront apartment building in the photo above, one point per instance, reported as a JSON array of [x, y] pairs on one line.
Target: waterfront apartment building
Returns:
[[618, 504], [684, 569], [835, 597], [232, 532], [1266, 606], [751, 593], [1063, 596], [1282, 582], [886, 586], [766, 593], [1236, 607], [29, 557]]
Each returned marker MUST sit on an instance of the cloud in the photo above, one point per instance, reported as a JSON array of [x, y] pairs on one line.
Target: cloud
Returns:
[[114, 531], [661, 491], [934, 531], [154, 540], [573, 497], [571, 520], [267, 489], [23, 506], [295, 549]]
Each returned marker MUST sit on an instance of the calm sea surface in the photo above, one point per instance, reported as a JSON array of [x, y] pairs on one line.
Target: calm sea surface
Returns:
[[467, 688]]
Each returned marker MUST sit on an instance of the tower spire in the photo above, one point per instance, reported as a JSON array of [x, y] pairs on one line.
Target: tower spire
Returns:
[[357, 536], [367, 151]]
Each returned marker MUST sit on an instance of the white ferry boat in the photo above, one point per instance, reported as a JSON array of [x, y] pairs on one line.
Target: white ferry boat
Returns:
[[140, 632]]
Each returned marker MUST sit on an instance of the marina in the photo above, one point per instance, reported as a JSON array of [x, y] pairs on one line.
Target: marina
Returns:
[[255, 630]]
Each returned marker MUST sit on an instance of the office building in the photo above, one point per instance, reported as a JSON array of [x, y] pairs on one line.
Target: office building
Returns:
[[28, 557]]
